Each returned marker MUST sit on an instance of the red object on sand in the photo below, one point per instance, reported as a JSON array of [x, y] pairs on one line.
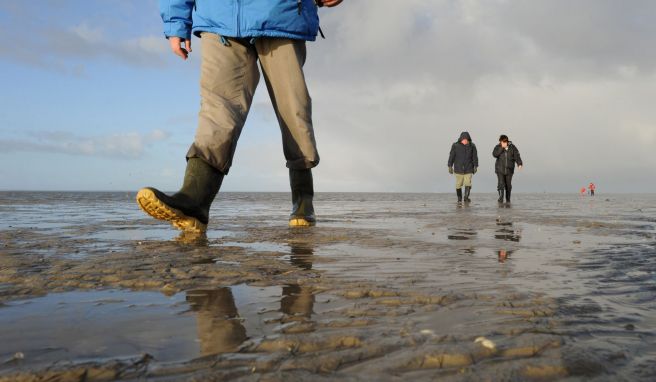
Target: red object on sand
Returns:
[[583, 191]]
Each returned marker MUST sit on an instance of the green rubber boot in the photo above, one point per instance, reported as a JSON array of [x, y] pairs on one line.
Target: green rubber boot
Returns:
[[467, 193], [302, 194], [188, 209]]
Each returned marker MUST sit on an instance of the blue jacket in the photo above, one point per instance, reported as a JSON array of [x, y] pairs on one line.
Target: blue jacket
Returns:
[[296, 19]]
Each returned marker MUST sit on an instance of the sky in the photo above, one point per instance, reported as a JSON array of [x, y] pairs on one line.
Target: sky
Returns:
[[92, 99]]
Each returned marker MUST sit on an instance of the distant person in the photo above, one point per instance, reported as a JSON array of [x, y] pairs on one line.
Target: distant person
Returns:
[[592, 188], [583, 191], [463, 161], [235, 36], [508, 157]]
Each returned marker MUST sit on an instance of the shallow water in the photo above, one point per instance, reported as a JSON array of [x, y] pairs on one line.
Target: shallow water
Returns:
[[387, 286]]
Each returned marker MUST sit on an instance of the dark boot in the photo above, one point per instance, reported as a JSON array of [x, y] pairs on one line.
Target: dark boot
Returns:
[[189, 208], [459, 193], [467, 192], [508, 196], [302, 194], [500, 200]]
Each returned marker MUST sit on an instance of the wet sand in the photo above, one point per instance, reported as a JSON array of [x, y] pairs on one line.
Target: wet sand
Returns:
[[386, 287]]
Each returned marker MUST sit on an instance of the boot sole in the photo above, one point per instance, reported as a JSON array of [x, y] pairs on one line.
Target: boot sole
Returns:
[[154, 207], [301, 223]]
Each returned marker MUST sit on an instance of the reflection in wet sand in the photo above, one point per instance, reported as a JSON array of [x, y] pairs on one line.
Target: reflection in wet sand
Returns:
[[299, 300], [461, 234], [503, 255], [219, 328], [507, 232], [301, 255], [198, 239]]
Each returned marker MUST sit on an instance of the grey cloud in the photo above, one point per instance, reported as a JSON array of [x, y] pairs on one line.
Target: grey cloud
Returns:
[[395, 83]]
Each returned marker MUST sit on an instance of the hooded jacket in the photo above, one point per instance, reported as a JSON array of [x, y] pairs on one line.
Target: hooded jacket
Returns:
[[463, 158], [506, 159], [295, 19]]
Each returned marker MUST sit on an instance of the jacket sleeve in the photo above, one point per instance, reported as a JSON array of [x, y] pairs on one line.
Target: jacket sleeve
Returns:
[[452, 156], [176, 15], [475, 155], [497, 151], [518, 158]]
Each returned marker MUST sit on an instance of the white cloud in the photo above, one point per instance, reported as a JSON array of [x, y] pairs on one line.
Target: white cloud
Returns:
[[128, 145]]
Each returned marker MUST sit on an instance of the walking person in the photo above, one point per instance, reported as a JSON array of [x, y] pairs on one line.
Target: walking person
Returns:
[[463, 162], [508, 157], [235, 36], [592, 188]]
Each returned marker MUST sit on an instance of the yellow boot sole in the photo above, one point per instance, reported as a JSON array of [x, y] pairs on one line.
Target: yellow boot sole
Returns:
[[300, 223], [154, 207]]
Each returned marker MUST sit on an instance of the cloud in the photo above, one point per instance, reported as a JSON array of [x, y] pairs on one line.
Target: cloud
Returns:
[[395, 83], [66, 42], [123, 145]]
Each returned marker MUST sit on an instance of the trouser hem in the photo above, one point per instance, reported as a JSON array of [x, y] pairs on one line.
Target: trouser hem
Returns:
[[302, 164]]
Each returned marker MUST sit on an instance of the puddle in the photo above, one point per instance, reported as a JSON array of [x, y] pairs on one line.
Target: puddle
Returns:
[[73, 326], [163, 233], [258, 246]]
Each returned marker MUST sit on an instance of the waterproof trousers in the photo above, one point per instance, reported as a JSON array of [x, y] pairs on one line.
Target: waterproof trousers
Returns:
[[229, 76], [504, 182]]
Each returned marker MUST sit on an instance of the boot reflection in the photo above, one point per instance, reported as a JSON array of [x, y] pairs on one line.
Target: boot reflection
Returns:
[[218, 324], [302, 255], [298, 301], [195, 238]]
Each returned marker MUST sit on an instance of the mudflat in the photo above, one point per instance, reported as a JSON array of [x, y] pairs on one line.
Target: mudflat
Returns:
[[385, 287]]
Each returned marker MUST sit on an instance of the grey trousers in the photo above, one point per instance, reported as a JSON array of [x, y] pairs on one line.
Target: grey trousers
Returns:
[[229, 76]]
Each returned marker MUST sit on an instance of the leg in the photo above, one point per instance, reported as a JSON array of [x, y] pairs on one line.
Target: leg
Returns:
[[460, 180], [508, 186], [217, 320], [468, 186], [282, 63], [501, 186], [229, 76]]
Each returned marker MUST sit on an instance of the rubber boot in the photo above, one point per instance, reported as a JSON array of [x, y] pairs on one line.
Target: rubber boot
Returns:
[[189, 208], [507, 196], [467, 192], [500, 200], [459, 193], [302, 194]]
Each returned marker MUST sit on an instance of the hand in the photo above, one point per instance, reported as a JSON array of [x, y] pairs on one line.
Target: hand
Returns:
[[520, 167], [450, 170], [329, 3], [175, 43], [475, 169]]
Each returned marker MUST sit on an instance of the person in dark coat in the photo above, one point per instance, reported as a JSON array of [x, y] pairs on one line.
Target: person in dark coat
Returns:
[[508, 157], [463, 161]]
